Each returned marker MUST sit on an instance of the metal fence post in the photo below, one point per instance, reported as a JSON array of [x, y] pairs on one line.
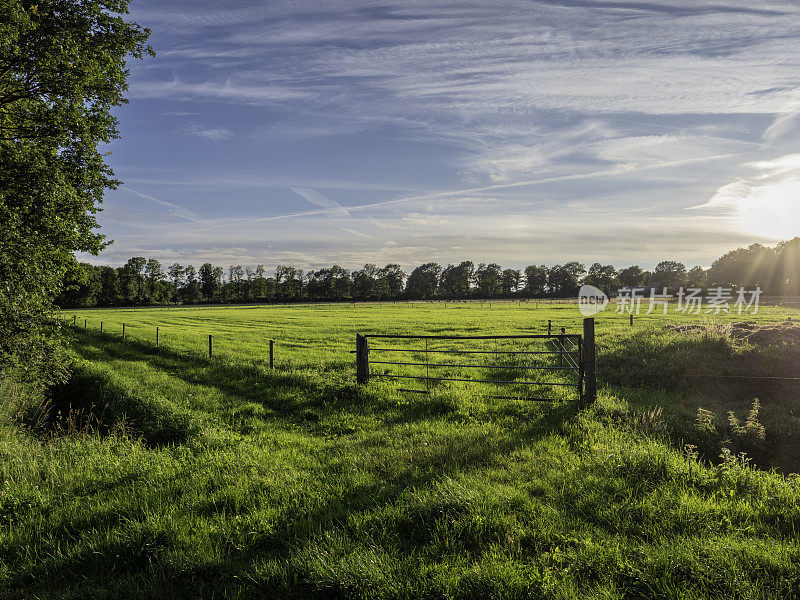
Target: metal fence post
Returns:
[[271, 354], [581, 368], [156, 337], [561, 348], [631, 319], [549, 327], [101, 327], [589, 360], [210, 351], [362, 360]]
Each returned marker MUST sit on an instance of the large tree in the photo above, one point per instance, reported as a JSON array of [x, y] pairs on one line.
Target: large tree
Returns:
[[489, 280], [109, 286], [423, 281], [604, 277], [394, 279], [155, 275], [289, 282], [631, 277], [191, 291], [209, 283], [535, 281], [455, 280], [62, 70], [563, 281], [82, 287], [670, 274], [512, 278], [177, 272], [365, 283], [753, 266], [132, 280]]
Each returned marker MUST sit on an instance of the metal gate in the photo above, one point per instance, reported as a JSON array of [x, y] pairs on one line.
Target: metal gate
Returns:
[[522, 365]]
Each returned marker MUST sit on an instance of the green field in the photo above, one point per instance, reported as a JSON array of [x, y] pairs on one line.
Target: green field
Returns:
[[161, 473]]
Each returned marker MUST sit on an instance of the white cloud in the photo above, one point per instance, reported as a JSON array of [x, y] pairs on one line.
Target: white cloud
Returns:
[[229, 89], [506, 163], [637, 151], [427, 220], [584, 120], [213, 134]]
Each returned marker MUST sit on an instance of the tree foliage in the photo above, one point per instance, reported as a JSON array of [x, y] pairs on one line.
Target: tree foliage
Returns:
[[62, 70], [424, 281], [776, 270], [604, 277]]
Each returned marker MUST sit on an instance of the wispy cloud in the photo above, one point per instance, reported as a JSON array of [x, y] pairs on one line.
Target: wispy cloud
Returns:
[[432, 121], [214, 134], [786, 121], [329, 207], [229, 89]]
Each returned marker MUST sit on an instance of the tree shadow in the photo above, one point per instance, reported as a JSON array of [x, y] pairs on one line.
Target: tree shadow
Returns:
[[139, 551], [299, 398]]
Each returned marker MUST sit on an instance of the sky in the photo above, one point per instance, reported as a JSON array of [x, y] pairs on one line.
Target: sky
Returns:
[[516, 132]]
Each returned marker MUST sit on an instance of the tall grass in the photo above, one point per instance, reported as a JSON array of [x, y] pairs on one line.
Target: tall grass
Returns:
[[231, 480]]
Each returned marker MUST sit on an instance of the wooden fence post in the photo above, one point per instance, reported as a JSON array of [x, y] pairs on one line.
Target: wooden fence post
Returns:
[[85, 324], [123, 331], [210, 351], [362, 360], [631, 319], [589, 361], [156, 337], [74, 319], [549, 327], [271, 354], [101, 327], [561, 348]]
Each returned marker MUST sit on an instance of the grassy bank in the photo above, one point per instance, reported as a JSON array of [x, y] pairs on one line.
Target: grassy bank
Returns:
[[161, 473]]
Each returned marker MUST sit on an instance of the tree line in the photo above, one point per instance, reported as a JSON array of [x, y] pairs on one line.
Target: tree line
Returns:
[[144, 281]]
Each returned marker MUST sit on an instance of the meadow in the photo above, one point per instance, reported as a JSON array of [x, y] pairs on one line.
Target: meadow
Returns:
[[158, 472]]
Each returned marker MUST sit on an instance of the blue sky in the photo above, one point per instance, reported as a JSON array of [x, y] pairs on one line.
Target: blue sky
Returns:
[[517, 132]]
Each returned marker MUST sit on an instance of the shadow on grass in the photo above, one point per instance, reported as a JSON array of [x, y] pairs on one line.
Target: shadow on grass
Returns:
[[300, 398], [90, 402], [141, 556], [286, 396], [145, 557], [412, 529], [709, 363]]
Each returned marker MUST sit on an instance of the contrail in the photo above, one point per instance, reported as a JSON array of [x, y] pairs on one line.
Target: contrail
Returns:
[[174, 209], [475, 190], [331, 207]]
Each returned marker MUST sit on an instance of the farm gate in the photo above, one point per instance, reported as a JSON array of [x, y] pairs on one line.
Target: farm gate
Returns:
[[517, 364]]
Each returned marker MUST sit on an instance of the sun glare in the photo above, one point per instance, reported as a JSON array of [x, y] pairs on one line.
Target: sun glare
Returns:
[[772, 210]]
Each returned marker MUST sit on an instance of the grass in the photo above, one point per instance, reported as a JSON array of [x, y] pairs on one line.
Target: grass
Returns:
[[162, 474]]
